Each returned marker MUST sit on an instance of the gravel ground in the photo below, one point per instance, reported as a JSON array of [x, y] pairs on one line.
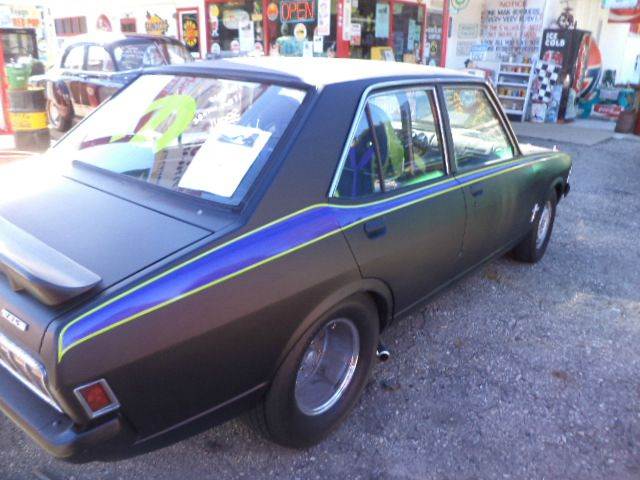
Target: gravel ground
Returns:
[[516, 372]]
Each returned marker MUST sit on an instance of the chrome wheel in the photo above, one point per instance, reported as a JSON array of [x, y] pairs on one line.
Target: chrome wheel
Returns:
[[327, 367], [543, 224]]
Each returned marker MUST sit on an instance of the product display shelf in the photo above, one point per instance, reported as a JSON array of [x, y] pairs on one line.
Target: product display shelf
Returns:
[[513, 86]]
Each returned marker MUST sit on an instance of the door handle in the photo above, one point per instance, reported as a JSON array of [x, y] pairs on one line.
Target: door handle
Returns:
[[375, 228], [476, 191]]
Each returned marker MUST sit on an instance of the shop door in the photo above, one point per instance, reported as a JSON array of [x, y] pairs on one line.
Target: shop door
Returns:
[[371, 34], [407, 26]]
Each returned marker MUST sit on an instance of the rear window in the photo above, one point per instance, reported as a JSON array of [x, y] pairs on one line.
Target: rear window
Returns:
[[205, 137], [140, 54]]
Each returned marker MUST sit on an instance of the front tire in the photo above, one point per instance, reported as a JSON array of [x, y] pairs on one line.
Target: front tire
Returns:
[[533, 247], [322, 377]]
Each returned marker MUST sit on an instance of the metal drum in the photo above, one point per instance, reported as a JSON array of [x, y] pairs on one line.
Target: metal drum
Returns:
[[28, 117]]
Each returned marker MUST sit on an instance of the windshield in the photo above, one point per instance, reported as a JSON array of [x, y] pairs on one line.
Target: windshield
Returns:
[[139, 54], [202, 136]]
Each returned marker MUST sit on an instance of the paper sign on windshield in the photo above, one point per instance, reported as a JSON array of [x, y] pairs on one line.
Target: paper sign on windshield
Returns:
[[224, 159]]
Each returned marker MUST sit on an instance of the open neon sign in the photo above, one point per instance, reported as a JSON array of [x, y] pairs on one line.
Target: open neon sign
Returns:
[[296, 11]]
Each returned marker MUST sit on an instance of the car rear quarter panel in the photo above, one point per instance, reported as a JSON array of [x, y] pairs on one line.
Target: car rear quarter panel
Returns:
[[210, 347]]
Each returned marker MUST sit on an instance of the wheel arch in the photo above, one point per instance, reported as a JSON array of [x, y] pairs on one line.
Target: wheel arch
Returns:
[[376, 289], [558, 185]]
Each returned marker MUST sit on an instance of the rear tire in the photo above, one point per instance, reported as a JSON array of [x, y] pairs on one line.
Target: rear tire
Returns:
[[300, 408], [533, 247]]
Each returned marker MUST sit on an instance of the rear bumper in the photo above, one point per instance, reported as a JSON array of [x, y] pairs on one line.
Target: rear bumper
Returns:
[[54, 431]]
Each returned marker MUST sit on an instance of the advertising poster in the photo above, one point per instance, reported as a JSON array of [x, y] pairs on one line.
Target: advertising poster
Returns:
[[382, 20], [413, 34], [356, 34], [189, 30], [307, 49], [246, 36], [346, 21], [318, 43], [433, 48], [324, 18], [512, 28]]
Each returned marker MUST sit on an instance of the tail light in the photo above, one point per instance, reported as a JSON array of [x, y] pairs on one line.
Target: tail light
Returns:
[[97, 398]]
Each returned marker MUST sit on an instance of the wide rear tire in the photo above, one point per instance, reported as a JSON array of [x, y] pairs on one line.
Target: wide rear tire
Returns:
[[299, 410]]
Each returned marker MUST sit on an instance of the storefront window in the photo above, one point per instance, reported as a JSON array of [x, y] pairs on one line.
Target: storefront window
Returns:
[[302, 27], [234, 27]]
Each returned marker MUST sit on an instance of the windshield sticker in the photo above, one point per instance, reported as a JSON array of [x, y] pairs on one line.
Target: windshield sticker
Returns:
[[183, 109], [224, 159]]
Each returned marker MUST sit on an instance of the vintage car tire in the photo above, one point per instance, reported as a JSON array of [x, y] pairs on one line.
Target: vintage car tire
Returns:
[[532, 248], [59, 121], [280, 418]]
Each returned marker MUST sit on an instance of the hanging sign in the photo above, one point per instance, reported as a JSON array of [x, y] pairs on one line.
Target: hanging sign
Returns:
[[382, 20], [155, 25], [324, 18], [295, 11]]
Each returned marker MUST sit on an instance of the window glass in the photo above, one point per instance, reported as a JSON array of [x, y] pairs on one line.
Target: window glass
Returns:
[[408, 142], [177, 54], [149, 53], [478, 136], [75, 58], [98, 59], [206, 137]]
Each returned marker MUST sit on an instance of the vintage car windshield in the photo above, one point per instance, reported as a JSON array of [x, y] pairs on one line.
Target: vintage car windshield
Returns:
[[202, 136], [149, 53]]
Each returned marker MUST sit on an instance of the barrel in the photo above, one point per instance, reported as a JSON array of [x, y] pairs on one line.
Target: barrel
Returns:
[[28, 117], [18, 75]]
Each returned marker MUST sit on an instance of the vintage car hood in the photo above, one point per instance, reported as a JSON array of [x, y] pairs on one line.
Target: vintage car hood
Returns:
[[61, 240]]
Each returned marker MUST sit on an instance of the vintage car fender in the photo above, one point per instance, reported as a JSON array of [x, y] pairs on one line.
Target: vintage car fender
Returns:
[[376, 288]]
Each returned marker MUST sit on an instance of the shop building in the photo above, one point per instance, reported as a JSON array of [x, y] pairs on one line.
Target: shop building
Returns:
[[400, 30]]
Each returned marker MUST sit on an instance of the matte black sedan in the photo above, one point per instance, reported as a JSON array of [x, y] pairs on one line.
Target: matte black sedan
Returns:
[[94, 67], [233, 236]]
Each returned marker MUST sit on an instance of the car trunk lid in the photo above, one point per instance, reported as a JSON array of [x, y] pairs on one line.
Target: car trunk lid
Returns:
[[60, 239]]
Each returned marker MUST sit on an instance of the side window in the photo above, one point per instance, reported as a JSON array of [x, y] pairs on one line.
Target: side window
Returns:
[[99, 60], [478, 135], [75, 58], [396, 144]]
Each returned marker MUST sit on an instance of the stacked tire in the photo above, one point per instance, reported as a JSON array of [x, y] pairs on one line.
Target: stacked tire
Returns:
[[28, 117]]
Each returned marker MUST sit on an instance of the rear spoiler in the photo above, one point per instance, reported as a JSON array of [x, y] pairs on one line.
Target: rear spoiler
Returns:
[[35, 267]]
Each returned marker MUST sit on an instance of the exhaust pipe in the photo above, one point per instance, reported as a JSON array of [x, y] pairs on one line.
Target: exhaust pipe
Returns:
[[382, 353]]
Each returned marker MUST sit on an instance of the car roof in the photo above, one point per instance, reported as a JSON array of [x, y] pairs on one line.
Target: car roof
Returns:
[[105, 38], [316, 71]]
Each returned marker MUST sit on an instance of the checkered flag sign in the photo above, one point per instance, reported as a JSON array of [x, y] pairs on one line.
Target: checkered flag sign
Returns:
[[546, 77]]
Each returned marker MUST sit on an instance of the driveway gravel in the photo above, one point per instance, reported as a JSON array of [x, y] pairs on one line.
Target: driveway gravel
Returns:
[[517, 371]]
